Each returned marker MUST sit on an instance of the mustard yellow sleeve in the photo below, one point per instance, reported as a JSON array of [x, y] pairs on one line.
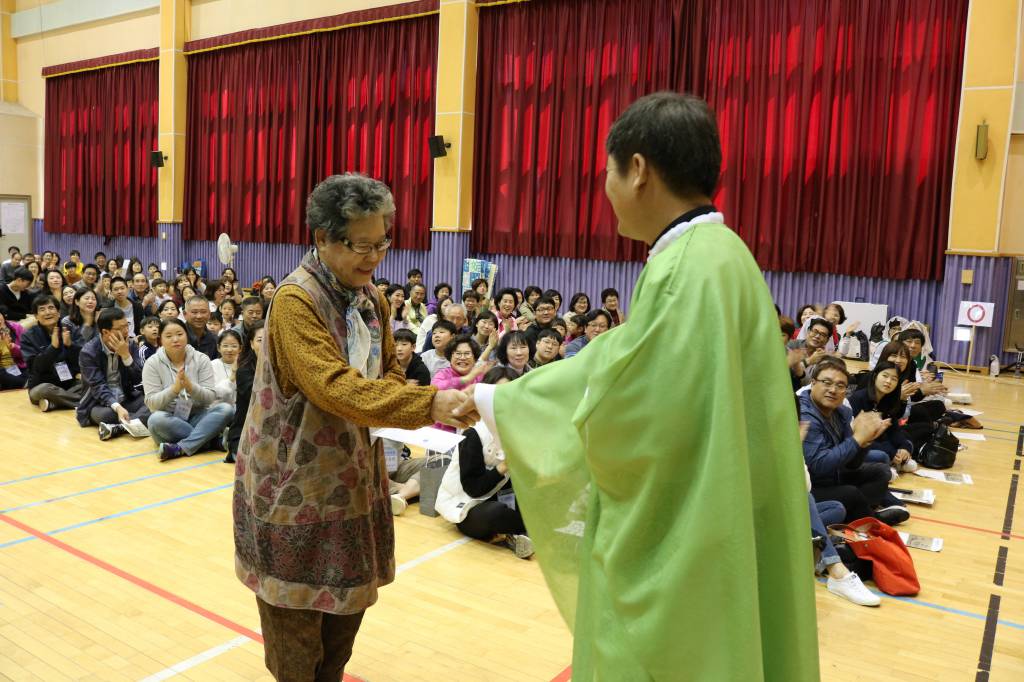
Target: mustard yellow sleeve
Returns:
[[306, 358]]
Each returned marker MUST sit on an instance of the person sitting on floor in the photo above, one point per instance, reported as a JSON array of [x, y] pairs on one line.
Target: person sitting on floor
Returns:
[[544, 317], [882, 395], [835, 451], [476, 492], [133, 310], [462, 354], [197, 314], [416, 373], [225, 367], [12, 364], [245, 375], [514, 351], [441, 335], [111, 374], [81, 320], [819, 333], [597, 323], [252, 312], [15, 301], [52, 360], [610, 303], [149, 338], [179, 383]]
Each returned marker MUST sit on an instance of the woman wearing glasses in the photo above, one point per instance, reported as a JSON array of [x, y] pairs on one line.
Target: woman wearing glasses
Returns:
[[314, 536]]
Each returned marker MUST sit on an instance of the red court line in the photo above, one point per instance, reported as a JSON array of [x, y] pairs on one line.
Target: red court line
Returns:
[[144, 584], [960, 525], [563, 676]]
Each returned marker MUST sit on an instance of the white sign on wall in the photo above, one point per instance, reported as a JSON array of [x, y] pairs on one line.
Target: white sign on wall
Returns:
[[975, 313]]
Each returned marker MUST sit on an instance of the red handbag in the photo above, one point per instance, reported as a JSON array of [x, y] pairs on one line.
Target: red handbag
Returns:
[[891, 563]]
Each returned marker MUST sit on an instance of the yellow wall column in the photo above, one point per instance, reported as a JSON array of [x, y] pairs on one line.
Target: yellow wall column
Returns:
[[456, 101], [8, 54], [173, 82], [986, 97]]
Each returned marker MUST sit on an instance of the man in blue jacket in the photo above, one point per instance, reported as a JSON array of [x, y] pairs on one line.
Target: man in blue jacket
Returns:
[[836, 451], [52, 359], [112, 375]]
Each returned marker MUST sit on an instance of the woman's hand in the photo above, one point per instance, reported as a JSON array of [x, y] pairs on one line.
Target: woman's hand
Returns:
[[900, 457], [908, 389], [502, 467]]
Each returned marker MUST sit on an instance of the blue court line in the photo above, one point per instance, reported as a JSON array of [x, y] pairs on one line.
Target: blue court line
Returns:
[[170, 472], [76, 468], [937, 607], [136, 510]]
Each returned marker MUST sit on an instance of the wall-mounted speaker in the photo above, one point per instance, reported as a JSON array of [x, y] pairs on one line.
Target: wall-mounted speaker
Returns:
[[438, 147], [156, 159], [981, 142]]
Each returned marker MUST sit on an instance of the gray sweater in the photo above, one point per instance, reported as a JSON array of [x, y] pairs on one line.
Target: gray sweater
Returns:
[[158, 380]]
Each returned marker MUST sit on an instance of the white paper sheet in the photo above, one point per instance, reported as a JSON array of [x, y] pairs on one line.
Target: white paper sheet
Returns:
[[427, 437], [13, 219], [968, 436], [971, 413], [924, 496], [136, 428], [946, 476], [922, 542]]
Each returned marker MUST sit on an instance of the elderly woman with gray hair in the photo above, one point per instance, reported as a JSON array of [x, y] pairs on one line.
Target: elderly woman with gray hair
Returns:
[[314, 535]]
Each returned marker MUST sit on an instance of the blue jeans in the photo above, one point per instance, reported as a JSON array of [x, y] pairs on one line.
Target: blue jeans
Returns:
[[202, 426], [878, 456], [823, 515]]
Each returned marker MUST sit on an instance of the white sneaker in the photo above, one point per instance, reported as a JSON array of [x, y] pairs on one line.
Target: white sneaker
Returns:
[[522, 545], [852, 589], [910, 466], [398, 505]]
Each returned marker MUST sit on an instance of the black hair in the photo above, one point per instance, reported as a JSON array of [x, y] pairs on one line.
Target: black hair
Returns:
[[516, 337], [215, 315], [98, 254], [805, 306], [503, 293], [442, 285], [610, 291], [11, 250], [23, 273], [231, 332], [459, 340], [830, 362], [76, 313], [889, 405], [470, 294], [392, 288], [148, 319], [251, 300], [787, 327], [231, 301], [553, 293], [821, 322], [133, 275], [106, 318], [532, 289], [486, 315], [908, 334], [382, 280], [842, 313], [677, 135], [575, 298], [63, 279], [550, 333], [168, 321], [248, 355], [406, 336], [40, 301], [75, 252], [163, 305], [414, 271], [445, 324], [496, 374], [119, 278], [596, 313], [545, 300], [154, 266], [478, 282]]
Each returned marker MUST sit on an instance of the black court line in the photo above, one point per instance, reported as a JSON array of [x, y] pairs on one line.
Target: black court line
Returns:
[[1011, 500], [1000, 566], [1016, 465], [1020, 441], [988, 639]]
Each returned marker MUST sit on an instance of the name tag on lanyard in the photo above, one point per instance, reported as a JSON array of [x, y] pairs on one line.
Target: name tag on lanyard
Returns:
[[13, 370], [63, 373], [183, 406]]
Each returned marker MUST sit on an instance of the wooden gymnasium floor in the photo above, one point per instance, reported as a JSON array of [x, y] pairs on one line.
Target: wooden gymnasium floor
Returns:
[[116, 567]]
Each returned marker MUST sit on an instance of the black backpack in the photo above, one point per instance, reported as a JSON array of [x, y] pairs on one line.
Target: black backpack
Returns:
[[939, 452], [877, 330]]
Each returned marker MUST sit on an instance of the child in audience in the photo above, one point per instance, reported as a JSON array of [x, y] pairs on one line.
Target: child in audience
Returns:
[[228, 313], [416, 373], [245, 374], [215, 325], [435, 359], [149, 338], [514, 351], [12, 363], [179, 385], [229, 346], [51, 359], [476, 491]]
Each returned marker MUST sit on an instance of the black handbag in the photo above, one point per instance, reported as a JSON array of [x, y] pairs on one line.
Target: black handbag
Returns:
[[939, 452]]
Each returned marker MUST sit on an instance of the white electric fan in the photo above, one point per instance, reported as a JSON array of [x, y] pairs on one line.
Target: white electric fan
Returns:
[[225, 249]]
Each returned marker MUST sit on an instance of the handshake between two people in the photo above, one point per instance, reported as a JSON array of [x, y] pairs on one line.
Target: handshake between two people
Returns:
[[455, 407]]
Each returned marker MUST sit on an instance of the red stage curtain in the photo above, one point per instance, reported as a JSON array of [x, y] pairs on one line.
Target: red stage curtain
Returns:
[[267, 121], [100, 127], [838, 123]]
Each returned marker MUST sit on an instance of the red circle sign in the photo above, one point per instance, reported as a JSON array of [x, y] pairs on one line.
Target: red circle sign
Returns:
[[976, 313]]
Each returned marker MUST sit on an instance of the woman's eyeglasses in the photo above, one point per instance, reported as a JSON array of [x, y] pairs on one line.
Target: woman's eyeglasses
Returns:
[[364, 249]]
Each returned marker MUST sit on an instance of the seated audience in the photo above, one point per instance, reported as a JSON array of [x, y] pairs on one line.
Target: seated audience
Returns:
[[13, 372], [442, 334], [579, 304], [396, 299], [267, 289], [482, 291], [197, 314], [544, 317], [527, 309], [882, 395], [53, 284], [486, 329], [11, 265], [179, 385], [51, 358], [472, 304], [111, 375], [149, 338], [133, 310], [442, 292], [415, 309], [252, 312], [462, 354], [514, 352], [835, 451], [549, 342], [610, 304], [90, 276], [228, 313], [35, 287], [229, 347], [505, 308], [597, 322], [555, 296], [245, 374], [215, 325], [841, 580], [168, 310], [15, 300], [67, 300], [416, 373], [476, 492], [82, 318], [819, 333]]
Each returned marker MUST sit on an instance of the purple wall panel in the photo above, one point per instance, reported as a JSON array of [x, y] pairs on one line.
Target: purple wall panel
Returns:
[[934, 303]]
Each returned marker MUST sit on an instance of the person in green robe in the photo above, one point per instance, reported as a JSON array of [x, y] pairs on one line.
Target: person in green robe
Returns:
[[661, 479]]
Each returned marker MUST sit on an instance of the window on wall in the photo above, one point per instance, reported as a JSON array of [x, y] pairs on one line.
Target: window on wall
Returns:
[[837, 121], [268, 120], [100, 126]]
